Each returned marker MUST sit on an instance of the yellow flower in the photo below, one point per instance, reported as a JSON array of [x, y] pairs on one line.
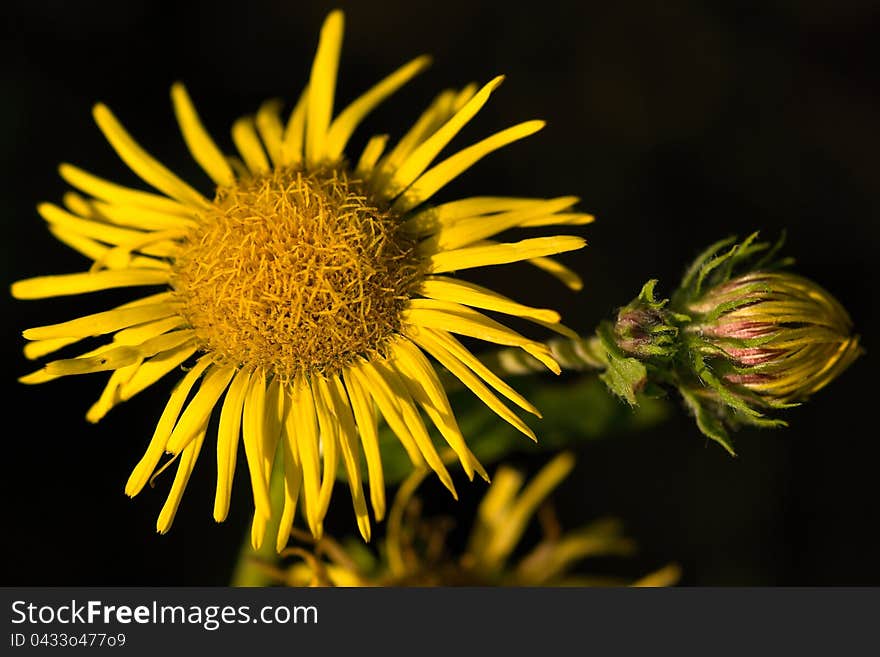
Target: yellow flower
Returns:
[[307, 291], [417, 553]]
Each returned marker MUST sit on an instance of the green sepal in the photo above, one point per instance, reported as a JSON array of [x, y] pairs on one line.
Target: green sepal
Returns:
[[715, 266], [646, 296], [624, 376], [709, 424]]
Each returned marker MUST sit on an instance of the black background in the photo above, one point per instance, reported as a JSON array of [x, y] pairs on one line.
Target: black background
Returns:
[[676, 123]]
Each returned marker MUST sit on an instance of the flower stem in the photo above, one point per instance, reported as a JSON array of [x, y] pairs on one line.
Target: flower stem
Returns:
[[578, 355]]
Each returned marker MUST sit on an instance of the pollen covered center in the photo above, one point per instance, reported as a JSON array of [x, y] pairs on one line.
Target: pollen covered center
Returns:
[[295, 272]]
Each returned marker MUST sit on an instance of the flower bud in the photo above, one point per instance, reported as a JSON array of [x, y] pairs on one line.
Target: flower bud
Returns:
[[739, 337], [776, 334], [643, 327]]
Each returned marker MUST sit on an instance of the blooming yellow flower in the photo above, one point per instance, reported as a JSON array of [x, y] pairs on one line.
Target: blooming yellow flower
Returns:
[[304, 296]]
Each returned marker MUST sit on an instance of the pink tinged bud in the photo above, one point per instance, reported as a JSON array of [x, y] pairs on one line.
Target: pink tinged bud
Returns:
[[740, 329], [775, 334], [747, 379], [752, 357]]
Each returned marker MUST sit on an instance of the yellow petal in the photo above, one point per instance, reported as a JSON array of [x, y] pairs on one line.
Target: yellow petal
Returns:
[[141, 218], [492, 512], [154, 369], [499, 254], [455, 318], [137, 335], [388, 386], [198, 412], [422, 156], [453, 235], [227, 441], [259, 524], [397, 542], [134, 335], [348, 119], [142, 163], [254, 423], [508, 534], [113, 193], [99, 230], [185, 467], [432, 118], [556, 327], [110, 395], [328, 424], [294, 131], [244, 135], [292, 484], [372, 383], [427, 341], [365, 416], [165, 240], [42, 287], [423, 384], [102, 323], [238, 166], [350, 452], [158, 297], [560, 219], [601, 538], [441, 174], [100, 253], [81, 364], [322, 87], [273, 418], [110, 360], [443, 288], [372, 152], [341, 576], [463, 96], [270, 129], [40, 348], [203, 148], [144, 469], [37, 377], [302, 408], [568, 277], [666, 576], [79, 206], [434, 218]]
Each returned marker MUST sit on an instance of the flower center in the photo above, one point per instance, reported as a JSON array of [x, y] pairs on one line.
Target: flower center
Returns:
[[295, 272]]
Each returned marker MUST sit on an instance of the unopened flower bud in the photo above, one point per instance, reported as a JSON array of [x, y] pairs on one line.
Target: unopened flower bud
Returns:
[[738, 338], [776, 334], [643, 327]]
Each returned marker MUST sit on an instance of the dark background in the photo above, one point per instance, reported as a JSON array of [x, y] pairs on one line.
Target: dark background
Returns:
[[676, 123]]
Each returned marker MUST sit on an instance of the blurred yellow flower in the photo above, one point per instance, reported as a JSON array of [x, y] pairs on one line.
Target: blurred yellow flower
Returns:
[[417, 552]]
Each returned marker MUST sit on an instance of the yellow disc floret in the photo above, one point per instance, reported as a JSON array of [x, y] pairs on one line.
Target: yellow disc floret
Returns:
[[295, 272]]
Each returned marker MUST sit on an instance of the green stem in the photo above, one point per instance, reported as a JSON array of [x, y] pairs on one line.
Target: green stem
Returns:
[[578, 355]]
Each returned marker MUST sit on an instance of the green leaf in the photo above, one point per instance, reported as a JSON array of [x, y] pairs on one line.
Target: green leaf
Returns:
[[574, 411]]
